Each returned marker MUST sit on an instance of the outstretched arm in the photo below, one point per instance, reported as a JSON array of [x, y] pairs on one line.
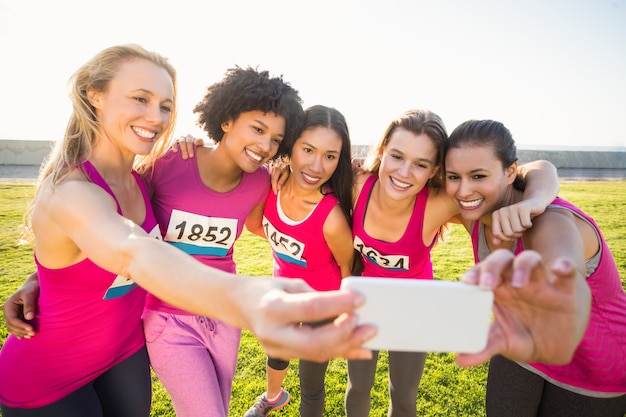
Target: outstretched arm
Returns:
[[541, 298], [271, 308]]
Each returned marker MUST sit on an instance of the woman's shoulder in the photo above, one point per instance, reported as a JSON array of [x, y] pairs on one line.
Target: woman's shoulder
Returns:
[[360, 179], [362, 176], [260, 176]]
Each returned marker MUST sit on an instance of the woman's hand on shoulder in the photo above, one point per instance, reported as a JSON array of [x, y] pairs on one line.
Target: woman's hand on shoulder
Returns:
[[509, 222], [279, 173], [186, 145]]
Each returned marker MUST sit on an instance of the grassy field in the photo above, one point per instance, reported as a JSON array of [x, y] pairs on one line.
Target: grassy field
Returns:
[[445, 389]]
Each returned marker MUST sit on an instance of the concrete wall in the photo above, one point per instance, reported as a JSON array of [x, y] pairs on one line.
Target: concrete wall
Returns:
[[577, 159], [24, 152], [27, 152], [561, 159]]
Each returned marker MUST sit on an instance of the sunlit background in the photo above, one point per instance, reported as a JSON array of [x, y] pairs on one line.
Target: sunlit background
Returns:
[[554, 71]]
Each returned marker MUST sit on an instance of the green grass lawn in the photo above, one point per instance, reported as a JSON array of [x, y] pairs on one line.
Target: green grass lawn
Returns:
[[445, 389]]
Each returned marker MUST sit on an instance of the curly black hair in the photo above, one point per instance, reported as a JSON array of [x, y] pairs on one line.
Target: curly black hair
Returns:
[[243, 90]]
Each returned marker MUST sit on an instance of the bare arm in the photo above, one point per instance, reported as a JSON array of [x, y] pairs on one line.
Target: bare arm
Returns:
[[509, 222], [254, 221], [542, 301], [542, 186], [271, 308], [338, 236]]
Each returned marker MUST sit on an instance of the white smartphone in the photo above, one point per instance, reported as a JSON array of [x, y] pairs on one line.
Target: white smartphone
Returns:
[[417, 315]]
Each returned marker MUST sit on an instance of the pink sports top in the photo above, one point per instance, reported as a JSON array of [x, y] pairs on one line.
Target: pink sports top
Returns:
[[598, 368], [406, 258], [88, 321], [299, 247], [197, 220]]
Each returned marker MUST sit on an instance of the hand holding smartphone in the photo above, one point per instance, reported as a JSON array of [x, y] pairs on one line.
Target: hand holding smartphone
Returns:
[[424, 315]]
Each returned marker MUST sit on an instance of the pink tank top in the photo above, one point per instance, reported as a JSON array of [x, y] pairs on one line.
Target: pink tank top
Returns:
[[197, 220], [406, 258], [88, 321], [299, 248], [599, 363]]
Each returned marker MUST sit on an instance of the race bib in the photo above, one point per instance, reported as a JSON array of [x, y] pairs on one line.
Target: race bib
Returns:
[[201, 235], [122, 285], [286, 247], [390, 262]]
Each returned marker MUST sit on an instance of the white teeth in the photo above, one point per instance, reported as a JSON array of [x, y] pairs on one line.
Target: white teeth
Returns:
[[400, 183], [254, 156], [470, 204], [146, 134], [309, 178]]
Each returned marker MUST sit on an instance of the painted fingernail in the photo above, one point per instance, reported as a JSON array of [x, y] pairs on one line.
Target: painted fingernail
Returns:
[[518, 279], [487, 280]]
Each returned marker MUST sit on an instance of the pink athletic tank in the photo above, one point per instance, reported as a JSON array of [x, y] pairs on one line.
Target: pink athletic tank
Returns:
[[197, 220], [599, 364], [88, 321], [299, 248], [406, 258]]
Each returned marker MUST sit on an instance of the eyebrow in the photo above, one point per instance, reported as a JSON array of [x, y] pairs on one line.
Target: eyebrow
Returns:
[[396, 150], [474, 171], [149, 92], [282, 135], [313, 146]]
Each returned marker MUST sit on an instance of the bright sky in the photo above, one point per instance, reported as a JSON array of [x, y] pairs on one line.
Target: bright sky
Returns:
[[554, 71]]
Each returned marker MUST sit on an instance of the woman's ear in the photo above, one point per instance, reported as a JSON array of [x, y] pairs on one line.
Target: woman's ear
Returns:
[[511, 172], [226, 126], [94, 98]]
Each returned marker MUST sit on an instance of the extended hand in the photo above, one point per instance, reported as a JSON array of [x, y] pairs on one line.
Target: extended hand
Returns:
[[276, 308], [540, 311]]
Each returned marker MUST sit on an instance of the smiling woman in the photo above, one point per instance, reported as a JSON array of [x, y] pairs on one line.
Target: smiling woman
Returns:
[[481, 170]]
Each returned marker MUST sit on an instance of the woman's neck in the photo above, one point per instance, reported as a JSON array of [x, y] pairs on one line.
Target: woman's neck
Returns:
[[218, 171], [388, 205], [113, 164], [292, 191]]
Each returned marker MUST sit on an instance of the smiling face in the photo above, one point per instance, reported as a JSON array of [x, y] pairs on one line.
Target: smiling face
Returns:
[[477, 181], [135, 109], [314, 157], [253, 138], [406, 164]]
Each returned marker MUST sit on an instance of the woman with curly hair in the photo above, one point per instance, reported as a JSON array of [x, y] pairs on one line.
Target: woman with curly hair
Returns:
[[201, 205]]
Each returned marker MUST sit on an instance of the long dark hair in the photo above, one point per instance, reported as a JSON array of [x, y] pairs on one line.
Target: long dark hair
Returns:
[[341, 182]]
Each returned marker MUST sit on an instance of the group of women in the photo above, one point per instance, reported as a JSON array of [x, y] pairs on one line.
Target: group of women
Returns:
[[108, 288]]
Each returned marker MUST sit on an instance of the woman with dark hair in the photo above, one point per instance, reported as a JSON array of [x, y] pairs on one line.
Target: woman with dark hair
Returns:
[[307, 224], [202, 205], [481, 177]]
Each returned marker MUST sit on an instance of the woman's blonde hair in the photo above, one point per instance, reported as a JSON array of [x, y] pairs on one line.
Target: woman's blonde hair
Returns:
[[81, 132]]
